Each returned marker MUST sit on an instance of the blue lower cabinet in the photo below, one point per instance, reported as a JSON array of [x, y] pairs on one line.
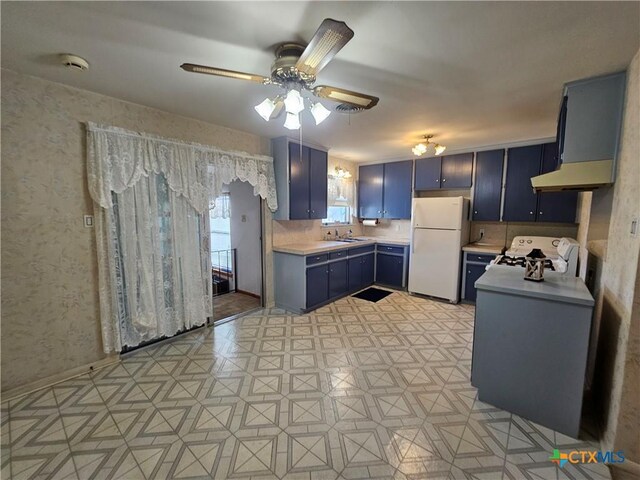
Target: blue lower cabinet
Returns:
[[389, 270], [355, 273], [472, 273], [338, 278], [368, 270], [317, 285], [361, 271]]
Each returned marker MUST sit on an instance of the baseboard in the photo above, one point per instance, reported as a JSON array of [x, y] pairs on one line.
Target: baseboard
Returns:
[[58, 378], [248, 293], [625, 471]]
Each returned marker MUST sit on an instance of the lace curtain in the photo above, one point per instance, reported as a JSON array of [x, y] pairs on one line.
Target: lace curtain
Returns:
[[152, 200]]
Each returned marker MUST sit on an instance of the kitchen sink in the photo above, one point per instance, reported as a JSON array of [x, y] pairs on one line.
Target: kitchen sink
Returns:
[[349, 240]]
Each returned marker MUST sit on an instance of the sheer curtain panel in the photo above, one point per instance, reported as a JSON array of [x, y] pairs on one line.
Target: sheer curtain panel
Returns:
[[152, 198]]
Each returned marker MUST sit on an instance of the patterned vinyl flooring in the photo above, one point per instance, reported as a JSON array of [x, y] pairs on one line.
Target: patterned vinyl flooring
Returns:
[[352, 390]]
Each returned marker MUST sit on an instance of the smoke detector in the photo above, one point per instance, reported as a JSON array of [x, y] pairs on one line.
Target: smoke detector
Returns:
[[74, 62]]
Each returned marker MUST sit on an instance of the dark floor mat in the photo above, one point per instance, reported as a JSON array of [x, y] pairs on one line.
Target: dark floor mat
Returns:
[[372, 294]]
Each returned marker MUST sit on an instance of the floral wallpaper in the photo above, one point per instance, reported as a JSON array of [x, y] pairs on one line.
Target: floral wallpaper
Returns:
[[50, 320]]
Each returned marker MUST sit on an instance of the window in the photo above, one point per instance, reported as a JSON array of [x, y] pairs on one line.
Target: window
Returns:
[[340, 194]]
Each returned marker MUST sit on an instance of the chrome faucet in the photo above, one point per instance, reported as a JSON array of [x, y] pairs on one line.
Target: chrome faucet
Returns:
[[337, 236]]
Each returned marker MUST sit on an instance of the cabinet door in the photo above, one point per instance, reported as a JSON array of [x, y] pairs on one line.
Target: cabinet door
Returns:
[[368, 269], [456, 171], [555, 206], [473, 273], [487, 188], [520, 201], [317, 285], [338, 275], [370, 180], [428, 173], [389, 270], [397, 189], [355, 273], [317, 184], [298, 182]]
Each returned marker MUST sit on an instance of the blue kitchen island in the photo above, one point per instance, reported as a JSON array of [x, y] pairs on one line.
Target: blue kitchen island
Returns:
[[530, 345]]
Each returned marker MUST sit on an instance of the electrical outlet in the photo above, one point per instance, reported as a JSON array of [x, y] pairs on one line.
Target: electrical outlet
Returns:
[[634, 227], [482, 233], [88, 221], [243, 218]]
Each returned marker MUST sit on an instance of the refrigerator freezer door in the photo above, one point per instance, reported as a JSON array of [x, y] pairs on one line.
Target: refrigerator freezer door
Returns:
[[443, 212], [434, 267]]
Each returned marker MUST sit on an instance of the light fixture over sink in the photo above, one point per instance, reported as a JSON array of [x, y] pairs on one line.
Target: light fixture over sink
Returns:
[[421, 148]]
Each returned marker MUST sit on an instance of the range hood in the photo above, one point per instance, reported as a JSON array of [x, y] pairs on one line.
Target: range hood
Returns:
[[575, 176], [588, 135]]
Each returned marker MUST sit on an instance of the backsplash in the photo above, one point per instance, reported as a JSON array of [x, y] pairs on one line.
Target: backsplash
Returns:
[[297, 231], [502, 233], [389, 229]]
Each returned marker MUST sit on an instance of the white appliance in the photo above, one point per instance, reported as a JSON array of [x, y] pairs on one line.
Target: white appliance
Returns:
[[439, 229], [562, 254]]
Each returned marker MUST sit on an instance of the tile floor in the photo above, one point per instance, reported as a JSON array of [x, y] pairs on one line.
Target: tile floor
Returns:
[[353, 390]]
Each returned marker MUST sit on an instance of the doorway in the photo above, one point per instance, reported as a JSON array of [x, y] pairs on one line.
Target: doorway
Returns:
[[236, 251]]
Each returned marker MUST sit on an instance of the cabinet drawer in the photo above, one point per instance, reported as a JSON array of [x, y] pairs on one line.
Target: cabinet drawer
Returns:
[[361, 250], [390, 249], [313, 259], [477, 257], [337, 255]]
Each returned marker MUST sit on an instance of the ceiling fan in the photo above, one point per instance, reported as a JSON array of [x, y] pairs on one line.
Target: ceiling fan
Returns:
[[295, 69]]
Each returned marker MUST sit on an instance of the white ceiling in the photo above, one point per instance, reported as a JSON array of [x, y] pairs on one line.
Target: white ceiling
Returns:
[[473, 74]]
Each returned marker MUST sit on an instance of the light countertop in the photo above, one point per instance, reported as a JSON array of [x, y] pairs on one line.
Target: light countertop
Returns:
[[483, 248], [321, 246], [556, 287]]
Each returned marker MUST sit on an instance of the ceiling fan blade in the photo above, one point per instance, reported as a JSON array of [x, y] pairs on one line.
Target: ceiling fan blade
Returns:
[[328, 40], [346, 96], [278, 110], [221, 72]]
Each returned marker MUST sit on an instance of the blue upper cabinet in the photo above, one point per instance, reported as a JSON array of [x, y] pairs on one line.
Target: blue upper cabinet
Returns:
[[428, 173], [384, 190], [298, 182], [370, 180], [456, 171], [487, 189], [301, 180], [397, 189], [448, 172], [520, 201], [555, 206], [317, 184]]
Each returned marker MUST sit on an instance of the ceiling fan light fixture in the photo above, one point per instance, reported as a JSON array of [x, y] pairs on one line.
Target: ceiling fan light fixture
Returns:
[[439, 149], [319, 112], [265, 108], [292, 121], [293, 102]]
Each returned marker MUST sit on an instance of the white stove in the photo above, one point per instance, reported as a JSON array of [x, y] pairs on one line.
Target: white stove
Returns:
[[562, 254]]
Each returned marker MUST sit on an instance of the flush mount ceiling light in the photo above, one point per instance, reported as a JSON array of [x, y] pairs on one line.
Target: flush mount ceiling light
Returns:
[[421, 148], [295, 69]]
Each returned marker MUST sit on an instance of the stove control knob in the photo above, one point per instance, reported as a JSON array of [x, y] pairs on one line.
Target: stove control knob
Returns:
[[555, 243], [521, 241], [529, 241]]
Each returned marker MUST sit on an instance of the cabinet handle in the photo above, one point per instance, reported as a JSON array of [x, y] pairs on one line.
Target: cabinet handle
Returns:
[[437, 181], [530, 213], [444, 180], [475, 211], [379, 211], [308, 211], [540, 213], [469, 271]]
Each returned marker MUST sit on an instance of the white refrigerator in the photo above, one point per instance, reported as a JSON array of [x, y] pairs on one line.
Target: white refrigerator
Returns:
[[439, 230]]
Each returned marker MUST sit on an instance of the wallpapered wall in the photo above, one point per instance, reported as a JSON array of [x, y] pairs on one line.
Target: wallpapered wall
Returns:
[[619, 281], [50, 321], [605, 226]]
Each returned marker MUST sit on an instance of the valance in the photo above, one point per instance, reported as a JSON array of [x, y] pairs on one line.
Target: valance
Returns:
[[117, 159]]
